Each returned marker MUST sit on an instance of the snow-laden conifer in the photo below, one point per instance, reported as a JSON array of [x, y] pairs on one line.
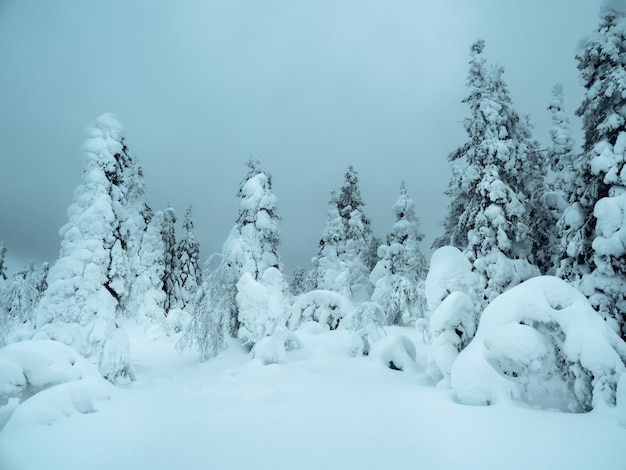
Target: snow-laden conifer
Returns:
[[347, 250], [3, 268], [595, 222], [245, 295], [188, 273], [497, 174], [401, 266], [89, 283], [562, 161]]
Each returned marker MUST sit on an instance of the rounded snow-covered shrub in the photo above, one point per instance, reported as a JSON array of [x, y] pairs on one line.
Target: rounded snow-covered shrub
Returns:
[[261, 304], [452, 327], [452, 309], [367, 324], [323, 306], [177, 320], [540, 331]]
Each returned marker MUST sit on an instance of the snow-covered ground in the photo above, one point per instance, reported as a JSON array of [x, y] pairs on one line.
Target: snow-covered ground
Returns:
[[321, 409]]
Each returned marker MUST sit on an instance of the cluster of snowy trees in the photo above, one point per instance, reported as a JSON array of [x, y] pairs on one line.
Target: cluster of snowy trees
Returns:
[[118, 259], [517, 211]]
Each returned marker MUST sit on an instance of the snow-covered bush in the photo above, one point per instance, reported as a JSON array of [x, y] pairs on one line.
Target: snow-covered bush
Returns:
[[366, 322], [452, 327], [262, 305], [540, 331], [452, 309], [323, 306]]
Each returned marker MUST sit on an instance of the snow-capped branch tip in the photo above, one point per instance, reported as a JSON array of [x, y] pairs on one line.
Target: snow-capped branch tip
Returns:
[[477, 47]]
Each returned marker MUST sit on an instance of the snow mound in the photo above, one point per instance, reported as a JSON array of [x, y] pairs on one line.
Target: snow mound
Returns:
[[541, 330], [61, 401], [29, 367], [396, 352], [323, 306], [50, 379]]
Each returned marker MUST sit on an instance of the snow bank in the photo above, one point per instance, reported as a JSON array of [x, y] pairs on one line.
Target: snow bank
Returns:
[[540, 330], [50, 379]]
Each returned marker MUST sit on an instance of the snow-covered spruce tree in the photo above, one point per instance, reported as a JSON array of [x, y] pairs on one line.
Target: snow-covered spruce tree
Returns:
[[401, 265], [297, 285], [168, 234], [245, 295], [496, 174], [594, 225], [89, 283], [347, 250], [213, 312], [188, 273], [562, 160], [3, 268], [148, 292]]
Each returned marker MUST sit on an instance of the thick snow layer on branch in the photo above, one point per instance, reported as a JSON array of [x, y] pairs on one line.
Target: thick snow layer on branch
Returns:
[[449, 271], [540, 330]]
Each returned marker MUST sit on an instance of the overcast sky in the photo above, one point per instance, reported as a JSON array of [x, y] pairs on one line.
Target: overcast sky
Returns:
[[307, 87]]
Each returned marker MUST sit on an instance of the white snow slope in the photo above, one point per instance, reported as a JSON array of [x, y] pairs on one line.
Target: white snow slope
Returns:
[[322, 409]]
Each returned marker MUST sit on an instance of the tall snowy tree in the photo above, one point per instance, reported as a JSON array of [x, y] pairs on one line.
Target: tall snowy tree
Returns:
[[245, 294], [3, 268], [89, 283], [188, 273], [594, 225], [347, 250], [401, 266], [561, 159], [496, 173], [168, 234], [148, 290]]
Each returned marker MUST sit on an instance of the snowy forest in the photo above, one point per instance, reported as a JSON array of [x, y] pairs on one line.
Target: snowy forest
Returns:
[[523, 300]]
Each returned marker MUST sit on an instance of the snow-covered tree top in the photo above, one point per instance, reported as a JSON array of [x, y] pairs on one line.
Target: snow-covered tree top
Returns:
[[613, 8], [105, 126]]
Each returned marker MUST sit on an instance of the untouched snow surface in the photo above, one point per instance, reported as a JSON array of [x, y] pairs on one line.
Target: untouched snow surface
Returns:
[[321, 409]]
